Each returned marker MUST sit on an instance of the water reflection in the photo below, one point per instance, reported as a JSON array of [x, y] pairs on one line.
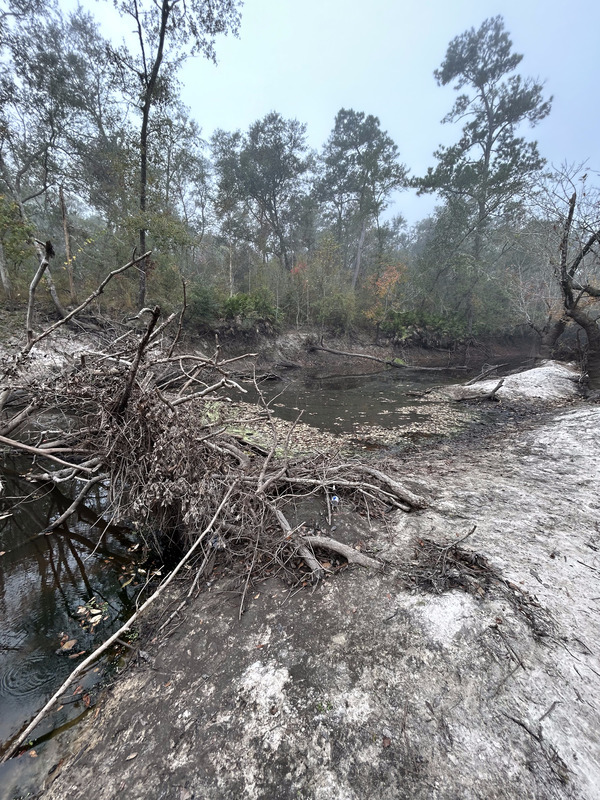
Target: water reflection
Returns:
[[44, 579], [346, 403]]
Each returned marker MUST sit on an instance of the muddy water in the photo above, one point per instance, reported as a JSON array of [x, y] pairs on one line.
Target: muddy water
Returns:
[[52, 588], [395, 404]]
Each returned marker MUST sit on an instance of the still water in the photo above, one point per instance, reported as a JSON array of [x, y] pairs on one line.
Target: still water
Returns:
[[393, 406], [61, 595]]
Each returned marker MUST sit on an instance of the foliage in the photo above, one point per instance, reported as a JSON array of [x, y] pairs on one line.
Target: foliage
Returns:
[[490, 165], [384, 290], [260, 227], [260, 183], [203, 306], [337, 311], [254, 306], [15, 234]]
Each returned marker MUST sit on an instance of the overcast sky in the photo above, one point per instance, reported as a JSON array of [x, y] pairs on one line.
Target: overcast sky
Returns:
[[307, 59]]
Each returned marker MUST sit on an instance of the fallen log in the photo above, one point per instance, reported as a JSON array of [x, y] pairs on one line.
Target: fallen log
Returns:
[[350, 554], [388, 362]]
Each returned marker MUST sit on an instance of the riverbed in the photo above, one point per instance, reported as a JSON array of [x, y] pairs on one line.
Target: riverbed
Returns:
[[363, 688], [386, 410], [53, 583]]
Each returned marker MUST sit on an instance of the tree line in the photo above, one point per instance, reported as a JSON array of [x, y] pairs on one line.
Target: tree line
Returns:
[[99, 156]]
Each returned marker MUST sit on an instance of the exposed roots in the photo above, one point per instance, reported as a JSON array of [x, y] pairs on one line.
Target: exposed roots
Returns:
[[160, 431]]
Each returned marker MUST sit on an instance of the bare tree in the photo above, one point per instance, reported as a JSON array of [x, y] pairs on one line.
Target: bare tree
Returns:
[[578, 268]]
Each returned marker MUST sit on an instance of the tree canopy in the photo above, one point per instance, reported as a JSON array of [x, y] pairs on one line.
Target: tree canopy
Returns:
[[99, 155]]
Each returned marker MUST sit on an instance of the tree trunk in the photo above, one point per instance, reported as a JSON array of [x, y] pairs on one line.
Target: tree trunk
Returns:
[[149, 81], [549, 335], [590, 326], [63, 211], [54, 294], [361, 241], [4, 276], [143, 195]]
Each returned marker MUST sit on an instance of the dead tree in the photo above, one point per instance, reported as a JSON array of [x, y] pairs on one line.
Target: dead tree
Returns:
[[579, 244]]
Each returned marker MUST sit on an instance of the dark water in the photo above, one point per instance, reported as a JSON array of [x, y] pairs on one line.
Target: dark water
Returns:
[[52, 587]]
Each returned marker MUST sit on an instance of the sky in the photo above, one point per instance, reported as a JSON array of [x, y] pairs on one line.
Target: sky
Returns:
[[308, 59]]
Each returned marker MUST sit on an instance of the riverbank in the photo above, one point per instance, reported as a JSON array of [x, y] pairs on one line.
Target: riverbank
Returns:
[[488, 688]]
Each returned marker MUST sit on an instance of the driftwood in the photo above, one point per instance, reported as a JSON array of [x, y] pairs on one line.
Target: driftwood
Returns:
[[483, 397], [483, 374], [387, 362], [351, 555]]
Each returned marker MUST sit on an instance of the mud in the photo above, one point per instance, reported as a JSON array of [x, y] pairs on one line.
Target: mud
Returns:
[[364, 689]]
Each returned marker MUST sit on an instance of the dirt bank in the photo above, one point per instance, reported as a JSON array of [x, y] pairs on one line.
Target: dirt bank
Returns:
[[365, 688]]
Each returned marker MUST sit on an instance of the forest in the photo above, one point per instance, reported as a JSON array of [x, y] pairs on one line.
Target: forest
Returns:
[[254, 230]]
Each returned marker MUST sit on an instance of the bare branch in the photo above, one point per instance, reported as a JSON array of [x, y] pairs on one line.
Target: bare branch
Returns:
[[34, 340]]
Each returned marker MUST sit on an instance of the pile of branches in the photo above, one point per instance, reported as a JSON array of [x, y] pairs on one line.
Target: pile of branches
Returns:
[[154, 427]]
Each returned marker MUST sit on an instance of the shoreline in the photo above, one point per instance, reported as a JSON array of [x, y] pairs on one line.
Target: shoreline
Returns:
[[366, 689]]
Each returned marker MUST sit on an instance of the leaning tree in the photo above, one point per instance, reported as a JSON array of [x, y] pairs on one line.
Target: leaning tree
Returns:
[[578, 273], [491, 166]]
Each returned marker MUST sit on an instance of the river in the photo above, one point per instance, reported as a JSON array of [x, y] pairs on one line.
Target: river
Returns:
[[63, 593]]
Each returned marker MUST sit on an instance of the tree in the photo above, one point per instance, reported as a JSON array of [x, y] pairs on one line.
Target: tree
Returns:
[[228, 201], [272, 168], [360, 170], [37, 103], [167, 32], [491, 166], [578, 272], [101, 166]]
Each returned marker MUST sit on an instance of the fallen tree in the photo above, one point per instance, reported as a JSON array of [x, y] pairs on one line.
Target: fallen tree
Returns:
[[156, 428]]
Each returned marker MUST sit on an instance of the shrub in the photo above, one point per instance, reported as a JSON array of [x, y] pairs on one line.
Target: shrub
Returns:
[[203, 306]]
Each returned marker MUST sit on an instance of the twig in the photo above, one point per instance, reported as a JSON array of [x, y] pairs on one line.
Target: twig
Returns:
[[550, 710], [589, 566], [241, 611], [489, 396], [39, 452], [118, 634], [75, 504], [511, 649], [124, 399], [537, 736], [178, 334], [34, 340]]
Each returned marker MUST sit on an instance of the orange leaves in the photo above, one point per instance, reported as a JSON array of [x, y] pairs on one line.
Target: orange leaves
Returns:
[[387, 282], [384, 288]]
